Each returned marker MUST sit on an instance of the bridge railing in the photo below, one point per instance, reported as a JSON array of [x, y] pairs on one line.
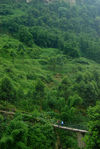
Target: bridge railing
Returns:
[[77, 126]]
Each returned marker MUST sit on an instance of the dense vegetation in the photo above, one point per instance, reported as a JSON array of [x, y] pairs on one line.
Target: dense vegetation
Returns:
[[49, 71]]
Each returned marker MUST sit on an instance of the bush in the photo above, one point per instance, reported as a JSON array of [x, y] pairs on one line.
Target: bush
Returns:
[[7, 90], [25, 36]]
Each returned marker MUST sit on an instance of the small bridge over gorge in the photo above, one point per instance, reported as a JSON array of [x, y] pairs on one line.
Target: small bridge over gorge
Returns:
[[80, 132]]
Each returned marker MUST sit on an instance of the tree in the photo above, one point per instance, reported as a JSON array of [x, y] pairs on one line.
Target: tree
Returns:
[[52, 99], [68, 114], [71, 50], [42, 136], [25, 36], [75, 100], [7, 90], [92, 139], [38, 91], [87, 88], [63, 89], [16, 136]]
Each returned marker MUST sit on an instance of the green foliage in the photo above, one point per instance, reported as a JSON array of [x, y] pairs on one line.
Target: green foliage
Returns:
[[39, 90], [1, 118], [67, 139], [15, 135], [87, 88], [41, 136], [74, 30], [71, 50], [52, 99], [63, 89], [5, 9], [7, 90], [93, 137], [44, 38], [6, 142], [25, 36], [40, 48], [68, 114], [19, 135], [74, 100]]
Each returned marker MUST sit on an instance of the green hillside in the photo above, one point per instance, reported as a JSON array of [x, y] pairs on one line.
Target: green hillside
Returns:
[[49, 71]]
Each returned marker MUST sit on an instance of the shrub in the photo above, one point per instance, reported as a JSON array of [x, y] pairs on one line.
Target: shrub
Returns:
[[7, 90]]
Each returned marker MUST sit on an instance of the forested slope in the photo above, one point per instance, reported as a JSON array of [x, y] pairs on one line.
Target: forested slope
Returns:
[[49, 67]]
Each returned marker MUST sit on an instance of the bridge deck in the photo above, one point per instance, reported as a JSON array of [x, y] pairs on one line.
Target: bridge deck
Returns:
[[71, 129]]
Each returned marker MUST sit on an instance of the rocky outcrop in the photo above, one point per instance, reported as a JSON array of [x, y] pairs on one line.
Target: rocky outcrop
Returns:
[[28, 1], [70, 1]]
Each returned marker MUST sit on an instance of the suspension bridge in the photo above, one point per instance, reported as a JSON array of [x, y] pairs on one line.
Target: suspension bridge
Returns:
[[80, 132]]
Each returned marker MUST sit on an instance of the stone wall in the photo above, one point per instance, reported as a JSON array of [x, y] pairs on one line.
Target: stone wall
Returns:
[[80, 140]]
